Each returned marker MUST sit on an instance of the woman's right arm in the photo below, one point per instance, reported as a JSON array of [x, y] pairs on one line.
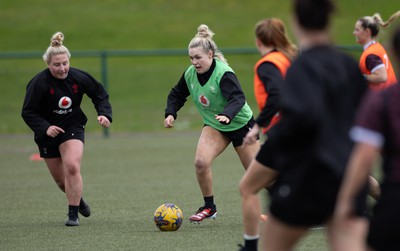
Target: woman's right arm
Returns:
[[177, 97], [31, 109]]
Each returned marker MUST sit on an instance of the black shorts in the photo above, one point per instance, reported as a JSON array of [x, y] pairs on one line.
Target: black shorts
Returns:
[[306, 196], [384, 224], [49, 147], [238, 135], [264, 158]]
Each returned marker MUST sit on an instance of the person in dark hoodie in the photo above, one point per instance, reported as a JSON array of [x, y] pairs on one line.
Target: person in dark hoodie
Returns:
[[310, 145], [52, 110]]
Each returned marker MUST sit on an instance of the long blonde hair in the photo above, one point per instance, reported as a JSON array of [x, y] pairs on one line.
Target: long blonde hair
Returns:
[[375, 21], [204, 39], [56, 47]]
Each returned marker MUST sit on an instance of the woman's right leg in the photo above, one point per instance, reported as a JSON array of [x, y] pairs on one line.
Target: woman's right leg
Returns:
[[256, 178], [277, 235], [211, 144]]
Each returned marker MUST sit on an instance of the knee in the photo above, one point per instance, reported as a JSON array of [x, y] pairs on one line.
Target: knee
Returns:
[[72, 169], [201, 165], [248, 188]]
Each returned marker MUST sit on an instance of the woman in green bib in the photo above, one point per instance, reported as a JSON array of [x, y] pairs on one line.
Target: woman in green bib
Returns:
[[220, 100]]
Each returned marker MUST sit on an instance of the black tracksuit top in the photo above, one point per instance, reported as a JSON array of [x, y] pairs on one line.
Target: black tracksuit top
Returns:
[[51, 101]]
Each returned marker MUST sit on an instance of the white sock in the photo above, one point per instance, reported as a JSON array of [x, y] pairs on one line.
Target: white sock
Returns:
[[251, 237]]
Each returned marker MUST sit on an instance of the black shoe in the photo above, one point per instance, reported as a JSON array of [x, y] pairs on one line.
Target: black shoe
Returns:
[[243, 248], [249, 247], [84, 209], [72, 222]]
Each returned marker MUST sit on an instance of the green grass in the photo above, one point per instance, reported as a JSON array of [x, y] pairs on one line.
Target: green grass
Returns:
[[126, 177], [138, 86]]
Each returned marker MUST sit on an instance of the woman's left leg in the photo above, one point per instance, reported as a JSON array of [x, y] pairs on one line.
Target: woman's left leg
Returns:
[[247, 153], [71, 155]]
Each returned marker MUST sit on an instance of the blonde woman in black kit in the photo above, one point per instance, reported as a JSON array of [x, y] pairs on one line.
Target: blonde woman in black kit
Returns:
[[52, 110]]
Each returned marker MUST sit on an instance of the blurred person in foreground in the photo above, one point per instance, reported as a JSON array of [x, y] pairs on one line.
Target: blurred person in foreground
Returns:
[[376, 132], [220, 101], [277, 53], [374, 63], [52, 110], [310, 145]]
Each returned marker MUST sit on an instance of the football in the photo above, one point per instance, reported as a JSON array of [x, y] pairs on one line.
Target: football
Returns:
[[168, 217]]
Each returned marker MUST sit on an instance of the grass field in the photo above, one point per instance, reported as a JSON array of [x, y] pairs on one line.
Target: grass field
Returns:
[[126, 177]]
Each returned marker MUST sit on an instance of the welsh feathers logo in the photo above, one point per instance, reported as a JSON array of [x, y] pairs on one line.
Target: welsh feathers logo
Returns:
[[75, 88], [65, 102], [204, 100]]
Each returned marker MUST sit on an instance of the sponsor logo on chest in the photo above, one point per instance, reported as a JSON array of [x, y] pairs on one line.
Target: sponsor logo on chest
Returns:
[[64, 103], [204, 101]]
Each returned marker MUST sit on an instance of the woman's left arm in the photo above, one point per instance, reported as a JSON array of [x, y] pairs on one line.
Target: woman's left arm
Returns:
[[232, 91]]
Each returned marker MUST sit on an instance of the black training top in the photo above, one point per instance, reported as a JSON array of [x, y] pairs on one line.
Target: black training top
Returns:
[[51, 101], [319, 99], [229, 85]]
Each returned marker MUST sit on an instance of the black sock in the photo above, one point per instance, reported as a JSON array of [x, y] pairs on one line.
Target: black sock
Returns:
[[209, 202], [73, 211], [251, 244]]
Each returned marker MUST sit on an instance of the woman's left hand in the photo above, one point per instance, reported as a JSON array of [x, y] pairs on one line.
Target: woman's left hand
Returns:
[[222, 119], [103, 121]]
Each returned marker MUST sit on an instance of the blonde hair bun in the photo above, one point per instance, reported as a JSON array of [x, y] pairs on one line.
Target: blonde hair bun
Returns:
[[204, 32], [57, 39]]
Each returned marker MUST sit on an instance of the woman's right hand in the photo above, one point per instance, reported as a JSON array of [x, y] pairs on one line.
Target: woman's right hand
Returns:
[[169, 121], [252, 136], [53, 131]]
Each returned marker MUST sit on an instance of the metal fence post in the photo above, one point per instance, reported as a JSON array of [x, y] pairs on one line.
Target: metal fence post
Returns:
[[104, 80]]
